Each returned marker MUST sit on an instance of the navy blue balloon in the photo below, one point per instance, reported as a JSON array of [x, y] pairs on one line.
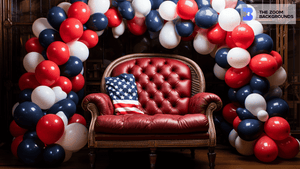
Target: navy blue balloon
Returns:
[[250, 129], [221, 58], [66, 105], [126, 10], [81, 94], [48, 36], [242, 93], [262, 43], [156, 3], [27, 114], [54, 155], [175, 1], [218, 120], [97, 22], [259, 84], [203, 3], [206, 17], [184, 28], [154, 21], [73, 96], [30, 135], [44, 54], [232, 95], [30, 151], [277, 107], [239, 6], [244, 114], [56, 16], [25, 95], [72, 1], [226, 127], [72, 67], [84, 27]]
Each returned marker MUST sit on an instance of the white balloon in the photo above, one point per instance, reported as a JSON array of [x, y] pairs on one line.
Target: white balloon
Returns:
[[213, 53], [232, 137], [167, 10], [256, 26], [238, 57], [218, 5], [141, 6], [168, 37], [262, 115], [43, 96], [202, 45], [64, 118], [244, 147], [79, 50], [119, 30], [278, 78], [68, 155], [31, 60], [82, 71], [99, 33], [219, 72], [228, 19], [275, 91], [59, 93], [65, 6], [254, 103], [14, 108], [98, 6], [298, 142], [39, 25], [74, 138]]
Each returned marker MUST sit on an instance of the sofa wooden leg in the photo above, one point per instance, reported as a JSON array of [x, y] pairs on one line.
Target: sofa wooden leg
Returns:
[[152, 157], [192, 153], [92, 155], [211, 157]]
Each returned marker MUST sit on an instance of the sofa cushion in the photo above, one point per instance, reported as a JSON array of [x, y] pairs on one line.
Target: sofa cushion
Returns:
[[151, 124], [164, 85]]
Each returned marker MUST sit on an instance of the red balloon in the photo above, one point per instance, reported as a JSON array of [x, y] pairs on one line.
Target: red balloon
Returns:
[[70, 29], [77, 82], [28, 81], [64, 83], [216, 34], [229, 41], [47, 72], [50, 128], [277, 57], [263, 65], [137, 25], [288, 148], [33, 45], [114, 17], [15, 130], [15, 144], [243, 36], [77, 118], [80, 11], [236, 122], [229, 112], [265, 149], [58, 52], [236, 78], [187, 9], [277, 128], [89, 38]]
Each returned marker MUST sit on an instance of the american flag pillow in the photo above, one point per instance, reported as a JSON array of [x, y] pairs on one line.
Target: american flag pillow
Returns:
[[123, 92]]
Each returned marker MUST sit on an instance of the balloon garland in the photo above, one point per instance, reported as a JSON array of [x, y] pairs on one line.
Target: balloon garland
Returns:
[[45, 120]]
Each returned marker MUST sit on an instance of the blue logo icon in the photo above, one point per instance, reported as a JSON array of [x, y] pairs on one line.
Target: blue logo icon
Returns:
[[247, 14]]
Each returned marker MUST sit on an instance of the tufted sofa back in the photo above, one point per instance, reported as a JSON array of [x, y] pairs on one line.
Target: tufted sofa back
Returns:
[[164, 83]]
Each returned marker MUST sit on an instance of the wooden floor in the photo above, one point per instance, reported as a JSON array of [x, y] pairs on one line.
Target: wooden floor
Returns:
[[227, 158]]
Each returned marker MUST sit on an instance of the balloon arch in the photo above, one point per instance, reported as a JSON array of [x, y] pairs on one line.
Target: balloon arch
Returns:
[[45, 121]]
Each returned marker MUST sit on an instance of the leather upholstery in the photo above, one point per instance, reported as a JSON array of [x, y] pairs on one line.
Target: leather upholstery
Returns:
[[151, 124], [164, 85], [101, 100], [200, 101]]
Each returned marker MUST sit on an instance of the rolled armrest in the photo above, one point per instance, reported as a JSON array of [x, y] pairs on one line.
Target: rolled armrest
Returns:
[[200, 102], [102, 102]]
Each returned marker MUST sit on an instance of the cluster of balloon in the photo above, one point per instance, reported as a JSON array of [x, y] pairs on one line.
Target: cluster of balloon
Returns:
[[46, 127]]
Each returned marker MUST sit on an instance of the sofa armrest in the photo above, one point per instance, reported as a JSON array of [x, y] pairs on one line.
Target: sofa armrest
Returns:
[[201, 101], [97, 104]]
